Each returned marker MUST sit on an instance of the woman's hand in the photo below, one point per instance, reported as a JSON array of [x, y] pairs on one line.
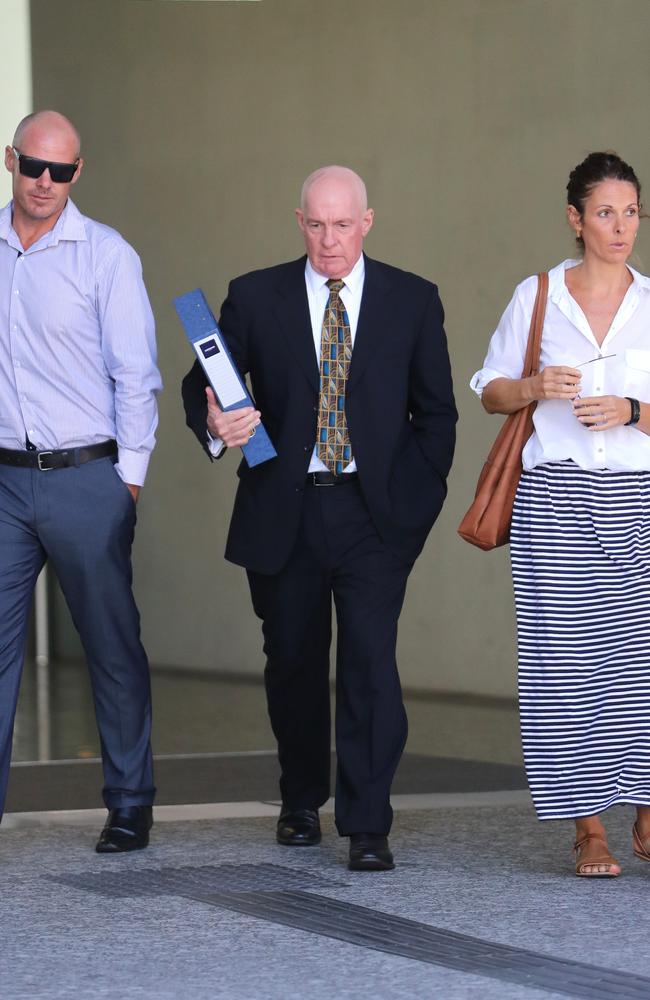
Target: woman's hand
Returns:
[[556, 382], [601, 413], [507, 395]]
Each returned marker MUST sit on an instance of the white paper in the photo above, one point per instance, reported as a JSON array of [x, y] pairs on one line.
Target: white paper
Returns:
[[221, 372]]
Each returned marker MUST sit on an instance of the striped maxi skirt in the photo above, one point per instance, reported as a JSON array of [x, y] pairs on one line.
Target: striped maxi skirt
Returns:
[[580, 550]]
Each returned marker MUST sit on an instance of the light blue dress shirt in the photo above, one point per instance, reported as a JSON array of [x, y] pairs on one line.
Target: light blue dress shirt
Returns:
[[77, 342]]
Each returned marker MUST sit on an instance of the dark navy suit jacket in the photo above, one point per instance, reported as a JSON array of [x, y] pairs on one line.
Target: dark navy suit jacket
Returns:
[[399, 406]]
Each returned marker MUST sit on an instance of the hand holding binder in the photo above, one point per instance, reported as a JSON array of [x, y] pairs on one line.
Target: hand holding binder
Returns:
[[233, 427], [221, 372]]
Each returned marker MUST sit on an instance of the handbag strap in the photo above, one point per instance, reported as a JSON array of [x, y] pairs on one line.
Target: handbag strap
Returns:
[[534, 346]]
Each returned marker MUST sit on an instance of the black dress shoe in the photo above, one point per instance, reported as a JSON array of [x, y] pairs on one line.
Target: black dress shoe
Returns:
[[369, 852], [298, 828], [126, 829]]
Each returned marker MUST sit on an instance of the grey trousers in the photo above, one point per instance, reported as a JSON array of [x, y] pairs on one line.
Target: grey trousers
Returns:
[[81, 519]]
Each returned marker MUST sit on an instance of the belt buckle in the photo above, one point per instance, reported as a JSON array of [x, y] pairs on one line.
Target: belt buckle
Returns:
[[39, 458], [320, 485]]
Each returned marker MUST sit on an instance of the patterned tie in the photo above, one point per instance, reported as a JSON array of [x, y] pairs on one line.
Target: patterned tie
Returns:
[[334, 448]]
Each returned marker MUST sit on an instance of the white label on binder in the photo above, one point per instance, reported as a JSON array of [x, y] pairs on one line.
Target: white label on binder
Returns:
[[221, 373]]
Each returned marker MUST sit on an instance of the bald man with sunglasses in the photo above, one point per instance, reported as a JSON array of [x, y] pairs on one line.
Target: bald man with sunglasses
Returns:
[[78, 384]]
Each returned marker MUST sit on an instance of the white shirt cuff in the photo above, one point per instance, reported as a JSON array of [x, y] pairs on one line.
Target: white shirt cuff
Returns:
[[215, 445], [132, 466]]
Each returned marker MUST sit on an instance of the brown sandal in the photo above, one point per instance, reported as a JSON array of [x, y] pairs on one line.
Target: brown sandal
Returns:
[[605, 859], [641, 846]]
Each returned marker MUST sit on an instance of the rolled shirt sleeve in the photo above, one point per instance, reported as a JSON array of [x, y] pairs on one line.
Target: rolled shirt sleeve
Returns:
[[507, 351]]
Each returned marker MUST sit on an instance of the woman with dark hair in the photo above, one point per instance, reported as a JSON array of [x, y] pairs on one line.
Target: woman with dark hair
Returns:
[[580, 539]]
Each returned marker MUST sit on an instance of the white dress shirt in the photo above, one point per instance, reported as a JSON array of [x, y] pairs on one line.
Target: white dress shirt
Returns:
[[77, 342], [567, 339], [318, 295]]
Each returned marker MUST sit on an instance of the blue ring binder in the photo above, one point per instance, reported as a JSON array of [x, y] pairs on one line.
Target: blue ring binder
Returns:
[[209, 345]]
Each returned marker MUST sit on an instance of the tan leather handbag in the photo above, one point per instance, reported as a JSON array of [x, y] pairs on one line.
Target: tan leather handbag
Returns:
[[487, 522]]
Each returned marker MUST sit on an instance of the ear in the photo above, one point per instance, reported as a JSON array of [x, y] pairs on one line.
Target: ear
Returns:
[[367, 221], [300, 216], [574, 219], [9, 159], [75, 177]]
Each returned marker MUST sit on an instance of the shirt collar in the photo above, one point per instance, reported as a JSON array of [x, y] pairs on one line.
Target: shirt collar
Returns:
[[353, 280], [69, 226], [557, 288], [642, 280], [6, 229]]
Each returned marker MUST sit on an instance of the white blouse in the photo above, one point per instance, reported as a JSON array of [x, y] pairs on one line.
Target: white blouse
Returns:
[[567, 340]]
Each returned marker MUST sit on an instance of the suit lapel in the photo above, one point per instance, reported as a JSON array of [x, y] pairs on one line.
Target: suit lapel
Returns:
[[292, 313], [372, 328]]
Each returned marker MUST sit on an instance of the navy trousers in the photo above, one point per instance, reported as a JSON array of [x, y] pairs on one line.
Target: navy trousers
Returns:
[[81, 519], [338, 554]]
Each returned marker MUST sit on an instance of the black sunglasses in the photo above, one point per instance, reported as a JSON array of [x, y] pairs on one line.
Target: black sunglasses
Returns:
[[31, 166]]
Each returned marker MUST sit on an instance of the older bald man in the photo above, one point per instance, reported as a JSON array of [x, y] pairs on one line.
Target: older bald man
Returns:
[[78, 381], [349, 370]]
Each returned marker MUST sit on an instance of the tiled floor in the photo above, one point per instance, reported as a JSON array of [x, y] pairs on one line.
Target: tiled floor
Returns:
[[483, 903], [215, 910]]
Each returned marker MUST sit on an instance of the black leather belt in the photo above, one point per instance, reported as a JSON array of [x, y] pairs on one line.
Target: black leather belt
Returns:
[[61, 459], [329, 479]]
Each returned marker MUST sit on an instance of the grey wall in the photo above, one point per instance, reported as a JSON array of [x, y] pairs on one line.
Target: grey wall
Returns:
[[200, 121]]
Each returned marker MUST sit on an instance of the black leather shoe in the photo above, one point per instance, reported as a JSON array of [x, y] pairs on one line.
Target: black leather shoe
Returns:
[[126, 829], [298, 828], [369, 852]]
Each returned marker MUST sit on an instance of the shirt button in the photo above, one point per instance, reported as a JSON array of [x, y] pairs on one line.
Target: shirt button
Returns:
[[597, 388], [17, 364], [16, 292]]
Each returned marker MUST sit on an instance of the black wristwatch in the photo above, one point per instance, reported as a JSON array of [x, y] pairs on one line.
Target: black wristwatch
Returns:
[[636, 411]]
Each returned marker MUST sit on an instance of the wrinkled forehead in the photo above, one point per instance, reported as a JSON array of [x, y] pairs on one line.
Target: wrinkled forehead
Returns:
[[334, 198]]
